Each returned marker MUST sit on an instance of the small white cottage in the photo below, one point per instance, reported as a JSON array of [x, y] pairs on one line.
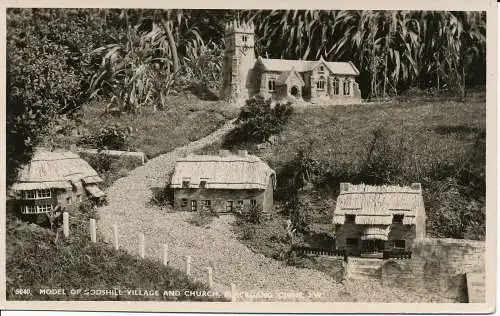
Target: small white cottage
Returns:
[[55, 178]]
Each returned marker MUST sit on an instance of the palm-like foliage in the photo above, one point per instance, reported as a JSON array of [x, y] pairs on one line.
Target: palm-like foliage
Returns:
[[393, 49]]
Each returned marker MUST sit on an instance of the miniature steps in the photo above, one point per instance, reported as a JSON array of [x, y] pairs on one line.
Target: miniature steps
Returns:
[[363, 268]]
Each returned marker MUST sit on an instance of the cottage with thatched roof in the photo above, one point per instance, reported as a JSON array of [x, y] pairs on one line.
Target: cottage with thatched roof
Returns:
[[222, 183], [370, 219], [55, 178]]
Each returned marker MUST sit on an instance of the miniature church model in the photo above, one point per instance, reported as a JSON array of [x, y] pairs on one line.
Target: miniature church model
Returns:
[[309, 81]]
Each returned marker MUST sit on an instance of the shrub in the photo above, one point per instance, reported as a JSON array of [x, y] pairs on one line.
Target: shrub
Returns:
[[451, 215], [203, 217], [299, 208], [258, 120], [252, 214], [111, 137]]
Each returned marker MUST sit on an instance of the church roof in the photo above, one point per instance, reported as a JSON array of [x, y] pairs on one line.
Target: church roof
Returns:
[[282, 79], [343, 68]]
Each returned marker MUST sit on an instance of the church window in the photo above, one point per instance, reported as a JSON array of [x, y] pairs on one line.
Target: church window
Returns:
[[321, 83], [321, 69], [336, 86], [244, 38], [347, 87], [271, 85]]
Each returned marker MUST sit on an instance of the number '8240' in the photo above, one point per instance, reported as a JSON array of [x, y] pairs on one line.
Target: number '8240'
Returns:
[[22, 291]]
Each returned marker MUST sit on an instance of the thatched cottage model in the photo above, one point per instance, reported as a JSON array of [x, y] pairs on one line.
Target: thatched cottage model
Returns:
[[55, 178], [371, 219], [316, 81], [222, 183]]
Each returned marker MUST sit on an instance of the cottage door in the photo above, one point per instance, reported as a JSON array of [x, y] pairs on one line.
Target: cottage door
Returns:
[[373, 245]]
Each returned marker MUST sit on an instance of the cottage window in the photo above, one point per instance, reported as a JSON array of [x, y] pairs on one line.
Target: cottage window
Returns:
[[352, 242], [36, 209], [253, 202], [37, 194], [185, 184], [336, 87], [350, 218], [400, 244], [184, 202], [194, 205], [203, 184], [29, 209], [321, 84], [229, 206], [207, 204], [347, 87], [397, 218], [271, 85], [44, 208]]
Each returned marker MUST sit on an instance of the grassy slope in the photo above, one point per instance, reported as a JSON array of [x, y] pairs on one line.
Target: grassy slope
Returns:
[[341, 135], [186, 119], [431, 134], [36, 261]]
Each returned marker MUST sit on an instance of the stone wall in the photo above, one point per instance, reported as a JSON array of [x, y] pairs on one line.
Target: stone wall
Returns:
[[129, 160], [438, 266]]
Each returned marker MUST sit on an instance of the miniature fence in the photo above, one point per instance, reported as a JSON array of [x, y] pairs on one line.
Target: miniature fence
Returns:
[[142, 251], [320, 251], [397, 255]]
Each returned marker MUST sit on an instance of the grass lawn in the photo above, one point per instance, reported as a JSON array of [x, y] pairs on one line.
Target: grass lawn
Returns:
[[35, 260], [186, 119]]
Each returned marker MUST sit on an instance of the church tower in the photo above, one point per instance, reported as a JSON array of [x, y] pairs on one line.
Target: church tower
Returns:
[[239, 60]]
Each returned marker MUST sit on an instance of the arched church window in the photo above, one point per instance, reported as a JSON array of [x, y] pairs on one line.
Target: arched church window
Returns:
[[347, 87], [321, 84], [271, 85], [336, 87], [321, 69]]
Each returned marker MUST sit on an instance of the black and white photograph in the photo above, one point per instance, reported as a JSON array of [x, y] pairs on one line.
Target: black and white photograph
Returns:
[[246, 156]]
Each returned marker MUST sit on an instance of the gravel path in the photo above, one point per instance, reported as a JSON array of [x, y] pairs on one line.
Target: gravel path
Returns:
[[216, 246]]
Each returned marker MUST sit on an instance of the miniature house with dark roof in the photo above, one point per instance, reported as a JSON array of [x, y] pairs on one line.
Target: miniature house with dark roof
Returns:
[[313, 81]]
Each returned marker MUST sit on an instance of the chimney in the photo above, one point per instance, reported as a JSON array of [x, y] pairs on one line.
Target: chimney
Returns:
[[223, 153], [344, 186], [416, 186], [242, 153]]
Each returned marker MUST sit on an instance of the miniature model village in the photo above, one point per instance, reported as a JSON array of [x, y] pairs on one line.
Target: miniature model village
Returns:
[[368, 219]]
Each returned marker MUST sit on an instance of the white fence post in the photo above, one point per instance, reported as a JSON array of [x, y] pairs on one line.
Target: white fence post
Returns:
[[165, 255], [115, 234], [66, 224], [210, 277], [188, 265], [141, 245], [93, 234], [233, 292]]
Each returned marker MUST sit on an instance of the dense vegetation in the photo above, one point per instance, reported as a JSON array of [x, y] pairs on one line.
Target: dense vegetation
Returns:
[[59, 59]]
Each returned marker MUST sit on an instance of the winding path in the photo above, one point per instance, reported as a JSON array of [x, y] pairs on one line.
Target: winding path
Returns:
[[216, 246]]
